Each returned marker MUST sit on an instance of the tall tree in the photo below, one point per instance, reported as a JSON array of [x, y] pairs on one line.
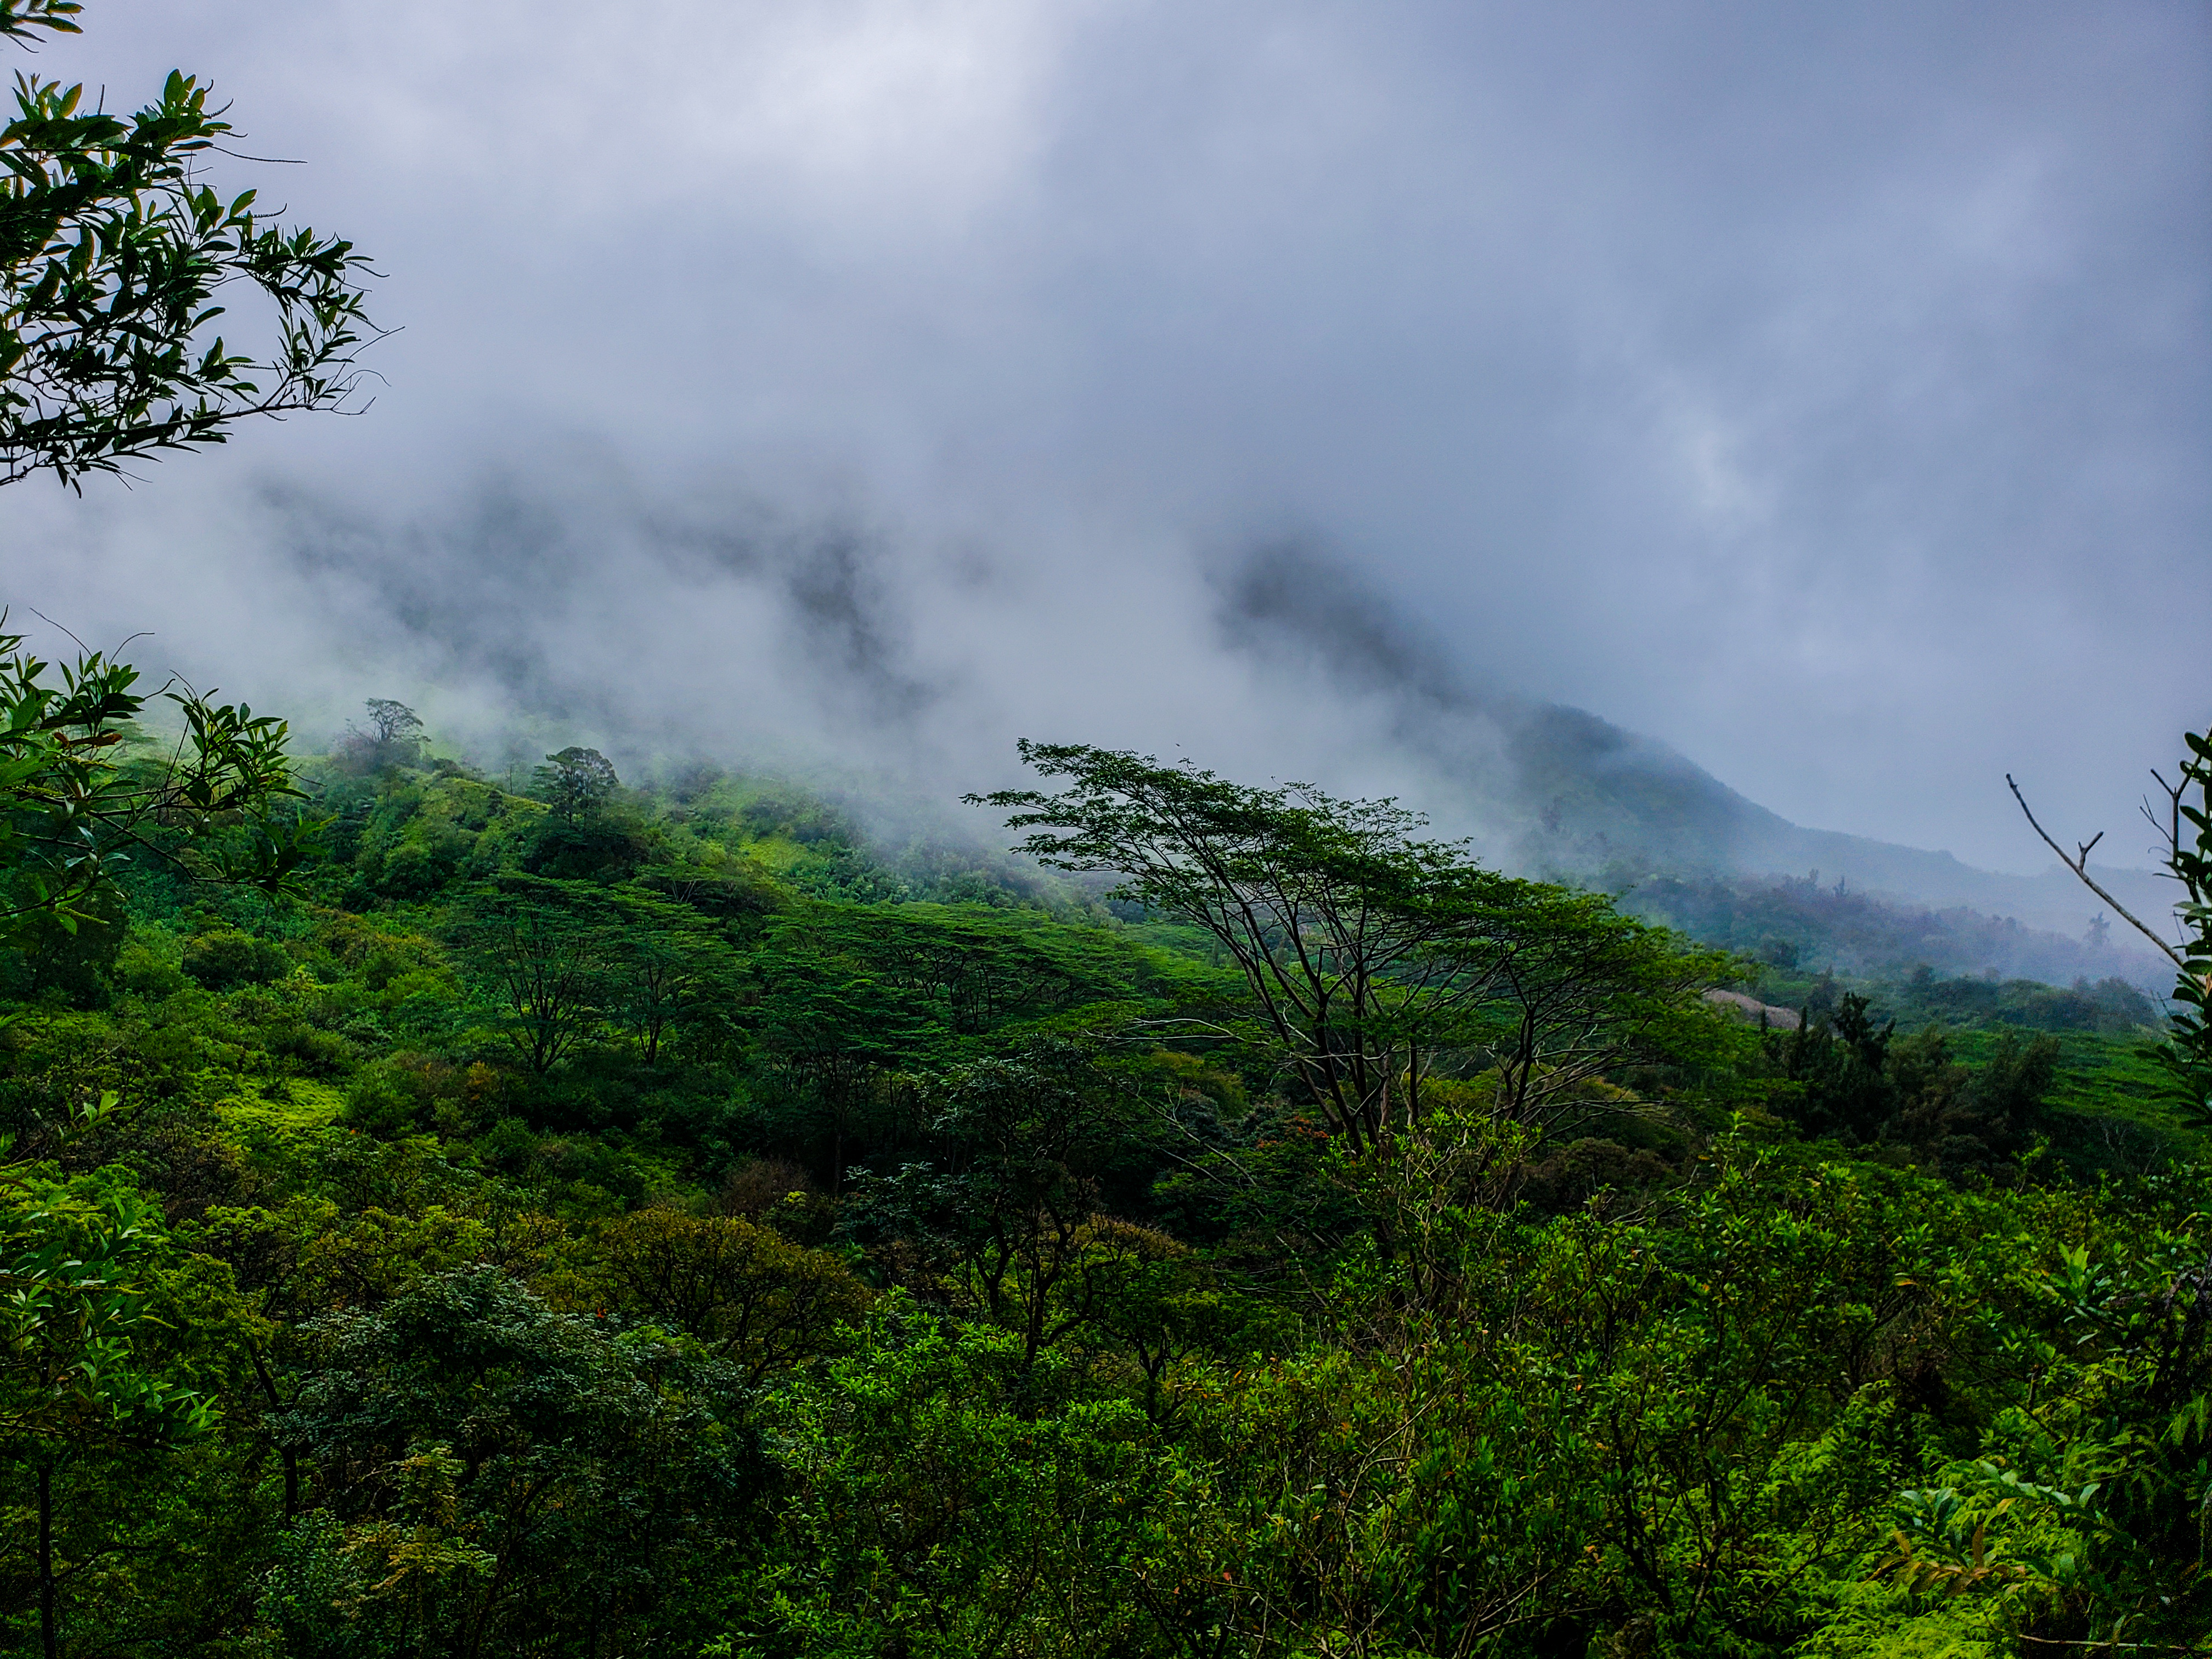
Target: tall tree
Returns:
[[1372, 953], [667, 968], [1354, 934], [577, 782], [832, 1032], [1580, 990], [541, 948]]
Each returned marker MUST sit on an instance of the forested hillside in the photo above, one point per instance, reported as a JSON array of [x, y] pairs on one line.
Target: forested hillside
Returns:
[[562, 1218], [1791, 922], [446, 1215]]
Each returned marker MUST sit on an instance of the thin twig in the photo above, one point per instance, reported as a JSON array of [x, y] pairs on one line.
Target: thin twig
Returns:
[[2081, 868]]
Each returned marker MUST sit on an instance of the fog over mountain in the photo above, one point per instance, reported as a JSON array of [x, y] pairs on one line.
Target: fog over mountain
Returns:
[[1550, 787], [1630, 433]]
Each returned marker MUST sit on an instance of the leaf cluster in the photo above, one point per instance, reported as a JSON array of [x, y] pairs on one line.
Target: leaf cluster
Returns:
[[114, 254], [76, 800]]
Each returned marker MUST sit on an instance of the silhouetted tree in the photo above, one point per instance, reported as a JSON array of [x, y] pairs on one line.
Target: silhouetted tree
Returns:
[[394, 738], [395, 722]]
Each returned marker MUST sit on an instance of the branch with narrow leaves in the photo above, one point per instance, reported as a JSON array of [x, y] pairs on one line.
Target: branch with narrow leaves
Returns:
[[2187, 831], [22, 19], [113, 253], [75, 802], [2187, 1056]]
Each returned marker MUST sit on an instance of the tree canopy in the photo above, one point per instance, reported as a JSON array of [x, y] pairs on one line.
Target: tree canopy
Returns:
[[746, 1239], [1372, 954]]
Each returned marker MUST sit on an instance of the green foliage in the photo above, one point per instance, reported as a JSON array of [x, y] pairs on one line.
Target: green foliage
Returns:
[[113, 253], [739, 1289], [225, 958], [75, 1319], [75, 803], [1866, 1085], [501, 1474], [86, 1388], [945, 1499], [665, 1255], [2109, 1006]]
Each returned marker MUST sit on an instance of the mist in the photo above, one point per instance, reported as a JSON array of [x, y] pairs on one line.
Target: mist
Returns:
[[1323, 391]]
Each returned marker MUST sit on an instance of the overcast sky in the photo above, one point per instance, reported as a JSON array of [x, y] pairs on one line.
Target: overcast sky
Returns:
[[1824, 391]]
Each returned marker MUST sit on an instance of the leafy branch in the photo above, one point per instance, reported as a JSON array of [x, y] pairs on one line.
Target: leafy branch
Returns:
[[73, 803], [113, 252]]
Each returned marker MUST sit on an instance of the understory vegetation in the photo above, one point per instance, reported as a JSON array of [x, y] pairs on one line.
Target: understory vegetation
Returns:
[[557, 1217]]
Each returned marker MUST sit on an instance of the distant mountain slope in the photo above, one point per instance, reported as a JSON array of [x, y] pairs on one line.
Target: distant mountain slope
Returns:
[[1597, 792], [1556, 790]]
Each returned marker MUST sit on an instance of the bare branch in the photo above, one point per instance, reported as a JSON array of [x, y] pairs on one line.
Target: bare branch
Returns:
[[2079, 866]]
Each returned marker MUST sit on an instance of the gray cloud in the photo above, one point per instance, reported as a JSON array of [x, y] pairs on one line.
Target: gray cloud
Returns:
[[1820, 392]]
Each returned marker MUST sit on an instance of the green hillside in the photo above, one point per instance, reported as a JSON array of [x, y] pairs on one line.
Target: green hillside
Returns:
[[586, 1219]]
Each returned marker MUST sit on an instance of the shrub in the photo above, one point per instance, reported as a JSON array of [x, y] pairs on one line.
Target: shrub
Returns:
[[227, 957]]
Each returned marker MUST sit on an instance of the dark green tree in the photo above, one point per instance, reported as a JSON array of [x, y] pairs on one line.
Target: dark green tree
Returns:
[[832, 1032], [494, 1476], [79, 1326], [1012, 1195], [577, 782], [743, 1292], [667, 969], [1581, 991], [540, 950], [1841, 1061]]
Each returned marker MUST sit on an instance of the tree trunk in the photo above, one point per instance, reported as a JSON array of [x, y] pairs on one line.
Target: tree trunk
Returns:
[[48, 1633], [289, 1455]]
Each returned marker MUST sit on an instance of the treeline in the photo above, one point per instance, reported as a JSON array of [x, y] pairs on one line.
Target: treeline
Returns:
[[1798, 922], [575, 1220]]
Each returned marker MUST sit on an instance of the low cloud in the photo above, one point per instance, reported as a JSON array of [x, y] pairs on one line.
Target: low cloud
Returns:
[[1820, 396]]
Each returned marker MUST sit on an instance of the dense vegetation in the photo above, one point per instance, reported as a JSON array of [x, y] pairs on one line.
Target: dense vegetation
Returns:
[[564, 1219], [448, 1216]]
